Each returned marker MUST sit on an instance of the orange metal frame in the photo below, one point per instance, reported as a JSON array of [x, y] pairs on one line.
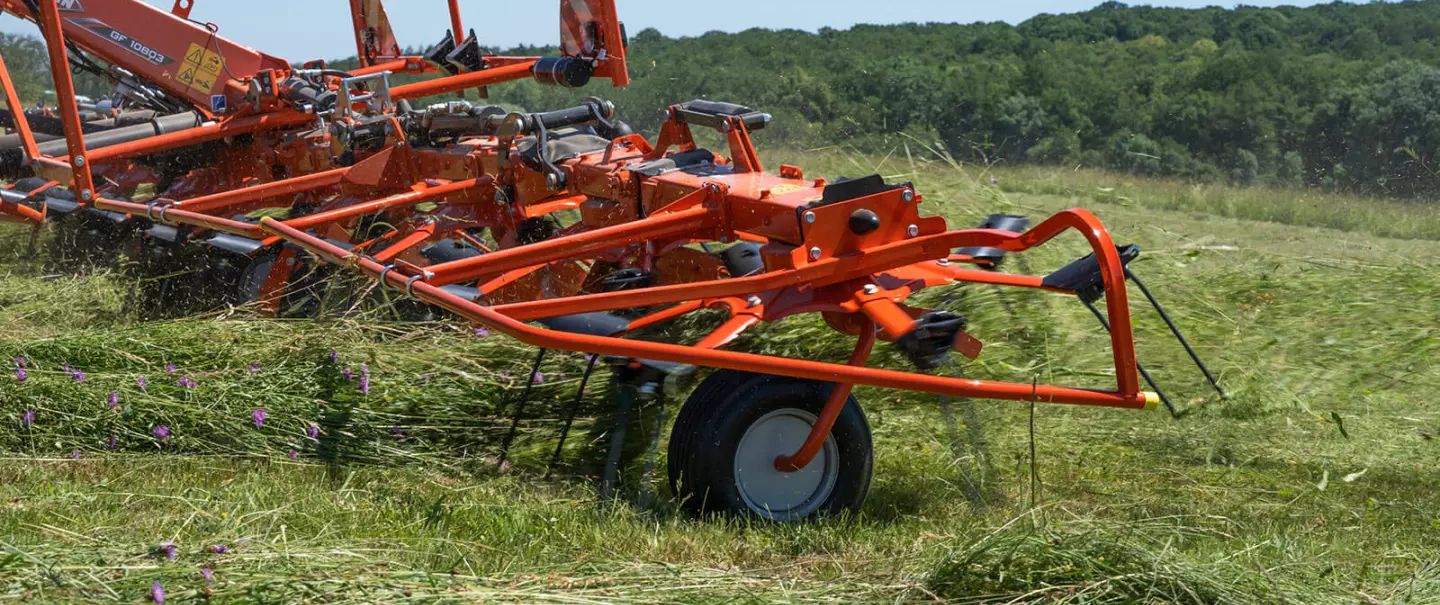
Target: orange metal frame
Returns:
[[812, 265]]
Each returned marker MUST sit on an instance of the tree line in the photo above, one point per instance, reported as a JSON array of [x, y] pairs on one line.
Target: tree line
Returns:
[[1340, 96]]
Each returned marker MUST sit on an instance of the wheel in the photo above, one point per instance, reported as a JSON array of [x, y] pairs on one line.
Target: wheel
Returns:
[[727, 436]]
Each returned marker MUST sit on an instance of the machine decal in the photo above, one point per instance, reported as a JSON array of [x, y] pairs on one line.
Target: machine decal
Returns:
[[122, 40], [201, 68], [71, 6]]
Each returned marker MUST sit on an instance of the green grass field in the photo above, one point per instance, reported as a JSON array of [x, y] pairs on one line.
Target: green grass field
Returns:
[[1315, 482]]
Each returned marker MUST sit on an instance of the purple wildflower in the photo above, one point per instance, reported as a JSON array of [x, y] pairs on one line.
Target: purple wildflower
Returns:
[[77, 375], [334, 356], [207, 574], [21, 376], [364, 384], [254, 368], [537, 377], [74, 454], [161, 432], [348, 375], [220, 549], [28, 419], [186, 383], [506, 373], [170, 368], [424, 379], [142, 383], [20, 362], [293, 454], [157, 593], [994, 180], [396, 432], [111, 442], [167, 550], [114, 400], [481, 332], [313, 432], [259, 416]]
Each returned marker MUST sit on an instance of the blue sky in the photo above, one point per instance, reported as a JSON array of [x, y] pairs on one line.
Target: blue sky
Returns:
[[298, 30]]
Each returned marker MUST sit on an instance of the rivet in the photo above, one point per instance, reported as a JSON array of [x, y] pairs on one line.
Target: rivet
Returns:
[[79, 160], [815, 253], [87, 195], [912, 230], [809, 218], [908, 196]]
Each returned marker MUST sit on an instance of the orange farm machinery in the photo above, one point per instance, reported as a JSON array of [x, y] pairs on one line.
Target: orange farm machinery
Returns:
[[562, 229]]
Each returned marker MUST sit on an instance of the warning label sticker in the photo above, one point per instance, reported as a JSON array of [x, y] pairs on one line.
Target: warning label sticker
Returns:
[[201, 69]]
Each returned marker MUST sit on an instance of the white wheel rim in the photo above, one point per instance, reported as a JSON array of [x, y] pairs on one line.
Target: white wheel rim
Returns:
[[778, 495]]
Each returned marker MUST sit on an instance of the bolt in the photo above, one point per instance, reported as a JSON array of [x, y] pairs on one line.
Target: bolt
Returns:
[[79, 160], [944, 262], [872, 289], [290, 262], [753, 300], [815, 253], [87, 195], [912, 230], [809, 218], [908, 195]]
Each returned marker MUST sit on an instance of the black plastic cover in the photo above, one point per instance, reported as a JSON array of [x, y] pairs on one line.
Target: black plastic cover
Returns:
[[992, 257], [1083, 276]]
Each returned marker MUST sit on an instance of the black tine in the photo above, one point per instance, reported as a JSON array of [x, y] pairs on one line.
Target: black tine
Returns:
[[520, 409], [617, 444], [570, 416], [1176, 331], [1141, 367]]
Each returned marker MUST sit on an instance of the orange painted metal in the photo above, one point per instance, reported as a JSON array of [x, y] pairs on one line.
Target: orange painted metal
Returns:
[[65, 97], [489, 77], [17, 113], [833, 404], [232, 200], [830, 372]]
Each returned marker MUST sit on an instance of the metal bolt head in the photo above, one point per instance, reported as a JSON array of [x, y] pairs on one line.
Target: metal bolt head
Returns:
[[809, 218], [87, 195], [912, 230], [872, 289], [908, 195], [290, 262], [79, 160], [753, 300], [815, 253], [944, 262]]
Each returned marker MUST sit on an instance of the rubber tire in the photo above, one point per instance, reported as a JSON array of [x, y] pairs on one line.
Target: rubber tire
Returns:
[[710, 425]]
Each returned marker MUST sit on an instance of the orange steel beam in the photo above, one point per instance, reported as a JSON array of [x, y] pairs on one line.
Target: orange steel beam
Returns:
[[230, 199], [455, 27], [812, 370], [17, 113], [836, 402], [477, 79], [84, 188], [201, 134], [373, 206], [672, 224]]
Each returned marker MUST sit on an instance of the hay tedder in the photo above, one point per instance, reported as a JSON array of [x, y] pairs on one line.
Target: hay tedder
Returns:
[[562, 229]]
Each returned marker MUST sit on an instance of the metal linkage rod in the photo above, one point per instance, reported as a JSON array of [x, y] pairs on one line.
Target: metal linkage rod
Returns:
[[1138, 366], [1176, 331]]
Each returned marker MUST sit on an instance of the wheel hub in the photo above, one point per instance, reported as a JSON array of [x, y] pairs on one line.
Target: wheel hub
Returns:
[[775, 494]]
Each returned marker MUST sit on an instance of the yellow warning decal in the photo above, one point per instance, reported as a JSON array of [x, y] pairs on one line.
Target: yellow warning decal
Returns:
[[201, 69]]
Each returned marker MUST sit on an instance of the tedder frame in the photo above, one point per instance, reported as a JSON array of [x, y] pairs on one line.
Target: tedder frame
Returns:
[[366, 183]]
